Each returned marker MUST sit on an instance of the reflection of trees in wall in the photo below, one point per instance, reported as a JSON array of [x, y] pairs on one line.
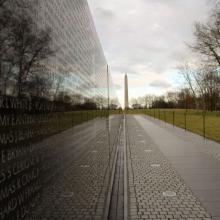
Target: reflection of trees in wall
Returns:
[[28, 65], [23, 50]]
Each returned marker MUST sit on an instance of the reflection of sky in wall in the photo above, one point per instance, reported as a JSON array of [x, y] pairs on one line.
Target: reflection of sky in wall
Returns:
[[145, 39], [74, 83]]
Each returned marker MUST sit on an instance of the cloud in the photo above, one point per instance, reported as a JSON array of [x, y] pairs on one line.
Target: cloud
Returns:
[[104, 13], [146, 37], [118, 87], [160, 84]]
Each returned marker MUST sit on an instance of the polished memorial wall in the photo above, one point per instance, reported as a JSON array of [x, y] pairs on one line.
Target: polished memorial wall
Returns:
[[57, 137]]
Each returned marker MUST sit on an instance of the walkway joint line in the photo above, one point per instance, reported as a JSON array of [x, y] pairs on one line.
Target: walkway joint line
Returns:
[[108, 198], [125, 172]]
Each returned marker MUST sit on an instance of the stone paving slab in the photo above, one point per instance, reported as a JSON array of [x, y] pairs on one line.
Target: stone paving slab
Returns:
[[152, 181], [80, 190], [196, 160]]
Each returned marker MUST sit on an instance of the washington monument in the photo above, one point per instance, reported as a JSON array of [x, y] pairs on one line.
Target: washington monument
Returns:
[[126, 92]]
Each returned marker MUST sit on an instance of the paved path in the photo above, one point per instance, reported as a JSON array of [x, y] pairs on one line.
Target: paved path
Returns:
[[149, 170], [163, 159], [117, 196], [79, 190]]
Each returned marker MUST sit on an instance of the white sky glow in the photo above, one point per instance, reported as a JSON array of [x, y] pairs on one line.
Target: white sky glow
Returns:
[[146, 39]]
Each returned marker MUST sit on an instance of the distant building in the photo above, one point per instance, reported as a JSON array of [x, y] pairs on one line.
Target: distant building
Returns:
[[126, 92]]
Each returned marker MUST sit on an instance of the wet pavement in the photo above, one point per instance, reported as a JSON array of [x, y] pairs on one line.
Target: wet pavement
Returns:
[[79, 190], [142, 169]]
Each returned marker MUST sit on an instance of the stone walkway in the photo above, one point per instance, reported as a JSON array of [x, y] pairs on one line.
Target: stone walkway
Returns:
[[196, 160], [79, 190], [150, 170], [156, 190]]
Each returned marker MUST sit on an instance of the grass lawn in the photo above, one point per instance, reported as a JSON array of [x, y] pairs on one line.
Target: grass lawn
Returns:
[[205, 124]]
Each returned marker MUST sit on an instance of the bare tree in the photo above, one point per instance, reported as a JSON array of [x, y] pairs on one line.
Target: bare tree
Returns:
[[188, 75], [148, 100], [172, 97], [208, 38], [134, 103], [202, 84], [208, 81]]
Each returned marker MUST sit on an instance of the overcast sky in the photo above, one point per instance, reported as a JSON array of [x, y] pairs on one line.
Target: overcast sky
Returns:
[[145, 39]]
